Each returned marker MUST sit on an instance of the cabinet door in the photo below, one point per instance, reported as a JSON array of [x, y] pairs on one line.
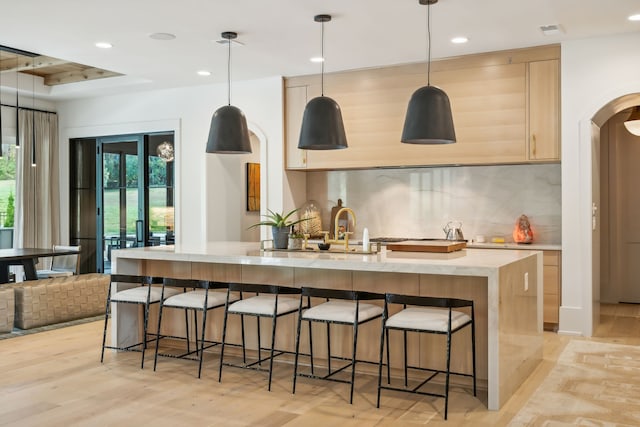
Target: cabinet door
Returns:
[[294, 104], [551, 273], [544, 108]]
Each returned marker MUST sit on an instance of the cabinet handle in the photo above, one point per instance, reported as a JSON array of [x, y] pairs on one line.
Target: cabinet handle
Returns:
[[533, 145]]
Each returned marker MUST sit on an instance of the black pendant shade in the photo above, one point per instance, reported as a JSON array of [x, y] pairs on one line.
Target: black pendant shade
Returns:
[[429, 119], [228, 133], [322, 127]]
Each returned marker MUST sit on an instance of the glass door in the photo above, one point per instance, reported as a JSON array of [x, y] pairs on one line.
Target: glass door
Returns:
[[159, 200], [121, 210], [134, 192]]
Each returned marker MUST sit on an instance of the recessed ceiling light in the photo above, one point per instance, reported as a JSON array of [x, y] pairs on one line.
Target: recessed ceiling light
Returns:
[[459, 40], [204, 73], [551, 30], [317, 59], [635, 17], [104, 45], [162, 36]]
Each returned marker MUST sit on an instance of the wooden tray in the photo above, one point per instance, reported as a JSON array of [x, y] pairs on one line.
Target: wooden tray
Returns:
[[442, 246]]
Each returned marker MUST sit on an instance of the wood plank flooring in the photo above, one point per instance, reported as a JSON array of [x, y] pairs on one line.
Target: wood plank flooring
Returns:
[[55, 378]]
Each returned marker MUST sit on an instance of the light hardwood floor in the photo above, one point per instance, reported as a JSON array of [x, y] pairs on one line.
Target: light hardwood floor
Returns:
[[55, 378]]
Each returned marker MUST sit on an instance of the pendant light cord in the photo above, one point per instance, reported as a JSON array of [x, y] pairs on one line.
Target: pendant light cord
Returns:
[[33, 114], [17, 108], [229, 74], [322, 72], [429, 44]]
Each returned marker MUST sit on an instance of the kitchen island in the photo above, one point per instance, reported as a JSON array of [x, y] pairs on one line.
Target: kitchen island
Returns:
[[506, 287]]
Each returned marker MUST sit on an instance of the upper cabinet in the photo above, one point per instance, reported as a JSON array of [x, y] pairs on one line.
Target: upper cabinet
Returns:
[[544, 110], [491, 100]]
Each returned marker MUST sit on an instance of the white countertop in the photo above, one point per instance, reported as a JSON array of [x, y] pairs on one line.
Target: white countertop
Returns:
[[467, 262]]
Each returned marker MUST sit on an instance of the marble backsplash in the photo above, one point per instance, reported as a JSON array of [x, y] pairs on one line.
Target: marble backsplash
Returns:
[[418, 202]]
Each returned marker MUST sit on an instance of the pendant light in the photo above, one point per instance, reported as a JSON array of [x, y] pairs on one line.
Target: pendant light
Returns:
[[229, 133], [633, 122], [428, 119], [322, 127]]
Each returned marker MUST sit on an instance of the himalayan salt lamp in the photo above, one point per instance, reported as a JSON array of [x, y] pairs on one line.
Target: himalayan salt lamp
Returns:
[[522, 232]]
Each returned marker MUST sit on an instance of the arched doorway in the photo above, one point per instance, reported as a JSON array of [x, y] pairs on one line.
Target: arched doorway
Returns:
[[616, 206]]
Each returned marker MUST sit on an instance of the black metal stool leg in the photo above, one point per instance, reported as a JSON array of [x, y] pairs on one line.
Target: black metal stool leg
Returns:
[[107, 313], [311, 345], [328, 348], [273, 343], [144, 334], [406, 369], [353, 360], [155, 357], [204, 327]]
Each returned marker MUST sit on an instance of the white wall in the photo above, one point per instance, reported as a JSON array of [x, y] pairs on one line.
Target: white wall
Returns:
[[594, 72], [208, 191]]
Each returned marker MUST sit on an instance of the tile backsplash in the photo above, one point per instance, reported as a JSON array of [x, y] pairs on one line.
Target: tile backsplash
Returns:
[[418, 202]]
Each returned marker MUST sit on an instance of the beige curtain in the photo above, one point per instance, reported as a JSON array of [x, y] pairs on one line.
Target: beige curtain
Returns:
[[37, 202]]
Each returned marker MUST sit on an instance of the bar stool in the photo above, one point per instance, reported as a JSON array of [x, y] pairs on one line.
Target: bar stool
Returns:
[[427, 315], [197, 299], [272, 302], [143, 294], [340, 307]]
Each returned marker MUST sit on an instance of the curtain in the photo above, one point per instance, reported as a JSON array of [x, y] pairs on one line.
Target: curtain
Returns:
[[37, 202]]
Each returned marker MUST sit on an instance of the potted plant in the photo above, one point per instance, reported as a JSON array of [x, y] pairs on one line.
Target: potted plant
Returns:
[[296, 239], [280, 224]]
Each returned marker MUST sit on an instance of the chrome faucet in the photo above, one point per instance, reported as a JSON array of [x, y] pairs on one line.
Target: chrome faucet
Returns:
[[337, 228]]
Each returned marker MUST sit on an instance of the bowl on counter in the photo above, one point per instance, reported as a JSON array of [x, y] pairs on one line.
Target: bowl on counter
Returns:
[[324, 246]]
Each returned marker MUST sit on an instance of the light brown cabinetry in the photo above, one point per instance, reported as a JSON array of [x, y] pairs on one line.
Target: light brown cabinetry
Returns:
[[552, 273], [490, 100], [544, 108]]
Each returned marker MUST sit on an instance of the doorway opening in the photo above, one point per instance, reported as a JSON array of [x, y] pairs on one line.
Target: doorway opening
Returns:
[[617, 295], [128, 182]]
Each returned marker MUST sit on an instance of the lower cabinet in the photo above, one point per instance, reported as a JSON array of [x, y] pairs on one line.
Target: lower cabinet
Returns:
[[552, 273]]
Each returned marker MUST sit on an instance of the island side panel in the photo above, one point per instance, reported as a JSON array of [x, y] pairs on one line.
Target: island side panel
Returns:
[[520, 338]]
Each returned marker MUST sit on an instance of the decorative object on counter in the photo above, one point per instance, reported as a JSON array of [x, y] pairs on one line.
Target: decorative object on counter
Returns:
[[228, 133], [324, 246], [429, 119], [365, 240], [322, 126], [453, 230], [313, 225], [296, 240], [633, 122], [522, 232], [280, 226]]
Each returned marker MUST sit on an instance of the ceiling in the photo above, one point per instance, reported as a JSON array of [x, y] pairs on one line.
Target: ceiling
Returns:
[[278, 36]]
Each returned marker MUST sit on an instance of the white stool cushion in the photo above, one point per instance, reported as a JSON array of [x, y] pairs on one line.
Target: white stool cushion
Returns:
[[195, 299], [263, 304], [427, 319], [139, 294], [342, 311]]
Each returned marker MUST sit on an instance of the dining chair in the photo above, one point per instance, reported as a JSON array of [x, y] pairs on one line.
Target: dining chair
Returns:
[[62, 265]]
